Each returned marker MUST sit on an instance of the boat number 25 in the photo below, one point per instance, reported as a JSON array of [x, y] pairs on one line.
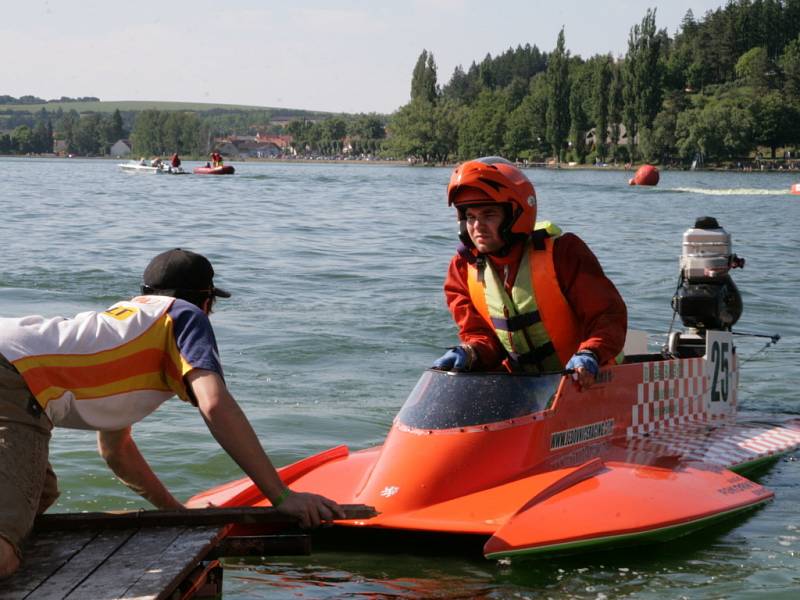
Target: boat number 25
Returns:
[[720, 354]]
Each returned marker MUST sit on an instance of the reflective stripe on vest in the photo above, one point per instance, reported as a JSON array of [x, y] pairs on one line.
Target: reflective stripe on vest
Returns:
[[535, 324]]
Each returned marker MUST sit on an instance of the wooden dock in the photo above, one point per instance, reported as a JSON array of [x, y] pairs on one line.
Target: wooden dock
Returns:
[[146, 554]]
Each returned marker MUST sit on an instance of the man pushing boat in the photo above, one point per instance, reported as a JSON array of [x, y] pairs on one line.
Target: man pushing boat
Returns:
[[107, 370], [523, 294]]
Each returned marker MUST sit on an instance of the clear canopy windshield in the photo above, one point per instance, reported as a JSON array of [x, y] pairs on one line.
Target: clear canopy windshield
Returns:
[[444, 400]]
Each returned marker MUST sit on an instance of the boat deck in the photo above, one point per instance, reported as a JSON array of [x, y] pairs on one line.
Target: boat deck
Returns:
[[102, 564], [146, 554]]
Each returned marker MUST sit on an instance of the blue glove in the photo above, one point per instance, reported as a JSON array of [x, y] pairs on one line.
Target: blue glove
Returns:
[[585, 359], [454, 359]]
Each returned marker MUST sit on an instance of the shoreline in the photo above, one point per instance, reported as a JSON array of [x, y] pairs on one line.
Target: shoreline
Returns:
[[766, 166]]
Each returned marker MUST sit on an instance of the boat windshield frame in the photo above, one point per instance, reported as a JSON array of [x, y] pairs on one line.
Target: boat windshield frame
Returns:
[[451, 400]]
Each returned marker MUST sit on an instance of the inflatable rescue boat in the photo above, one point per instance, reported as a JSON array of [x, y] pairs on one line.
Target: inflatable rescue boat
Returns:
[[535, 465], [221, 170]]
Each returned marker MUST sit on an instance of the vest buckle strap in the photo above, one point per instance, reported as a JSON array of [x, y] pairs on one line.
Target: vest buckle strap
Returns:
[[535, 356], [538, 237], [516, 322], [466, 254]]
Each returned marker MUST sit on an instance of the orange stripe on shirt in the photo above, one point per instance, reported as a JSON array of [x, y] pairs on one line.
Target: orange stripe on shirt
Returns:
[[152, 357], [96, 375], [145, 382]]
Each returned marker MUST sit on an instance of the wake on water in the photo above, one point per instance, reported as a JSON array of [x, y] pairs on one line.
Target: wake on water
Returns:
[[728, 191]]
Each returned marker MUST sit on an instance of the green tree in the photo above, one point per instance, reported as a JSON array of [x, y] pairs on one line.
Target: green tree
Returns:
[[753, 67], [663, 141], [580, 105], [116, 130], [413, 129], [42, 139], [22, 139], [525, 135], [615, 106], [69, 127], [448, 115], [776, 121], [719, 130], [300, 132], [463, 87], [642, 78], [558, 119], [89, 138], [483, 129], [331, 135], [367, 132], [423, 78], [171, 133], [601, 94], [539, 97], [147, 134], [789, 63]]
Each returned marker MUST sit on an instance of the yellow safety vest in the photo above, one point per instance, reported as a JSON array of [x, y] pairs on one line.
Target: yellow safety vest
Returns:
[[535, 323]]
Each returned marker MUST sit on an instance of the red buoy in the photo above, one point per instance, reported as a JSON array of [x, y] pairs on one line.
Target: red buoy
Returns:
[[796, 189], [645, 175]]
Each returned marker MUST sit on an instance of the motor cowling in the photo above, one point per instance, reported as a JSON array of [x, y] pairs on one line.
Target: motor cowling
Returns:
[[707, 297]]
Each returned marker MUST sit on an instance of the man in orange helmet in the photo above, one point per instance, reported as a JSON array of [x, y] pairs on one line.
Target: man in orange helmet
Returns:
[[524, 296]]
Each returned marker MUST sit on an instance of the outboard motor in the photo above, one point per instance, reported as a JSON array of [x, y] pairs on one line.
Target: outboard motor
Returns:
[[706, 297]]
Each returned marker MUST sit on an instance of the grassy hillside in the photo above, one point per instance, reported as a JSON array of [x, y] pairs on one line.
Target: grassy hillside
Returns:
[[140, 105]]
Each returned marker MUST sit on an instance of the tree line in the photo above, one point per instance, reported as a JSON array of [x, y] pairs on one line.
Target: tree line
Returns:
[[161, 132], [722, 88], [88, 135], [6, 99]]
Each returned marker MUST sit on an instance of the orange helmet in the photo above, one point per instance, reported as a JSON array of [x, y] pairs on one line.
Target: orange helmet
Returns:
[[494, 179]]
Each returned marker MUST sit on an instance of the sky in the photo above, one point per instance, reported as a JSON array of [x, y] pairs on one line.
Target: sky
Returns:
[[353, 56]]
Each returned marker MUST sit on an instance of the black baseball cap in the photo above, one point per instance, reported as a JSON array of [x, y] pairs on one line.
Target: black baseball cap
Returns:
[[179, 270]]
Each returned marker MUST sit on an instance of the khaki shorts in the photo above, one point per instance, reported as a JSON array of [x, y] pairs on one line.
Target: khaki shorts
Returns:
[[28, 485]]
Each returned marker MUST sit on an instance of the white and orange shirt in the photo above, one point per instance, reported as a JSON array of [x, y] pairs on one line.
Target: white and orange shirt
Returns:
[[107, 370]]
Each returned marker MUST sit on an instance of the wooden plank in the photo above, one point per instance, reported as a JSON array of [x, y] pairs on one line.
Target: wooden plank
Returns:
[[120, 571], [175, 563], [263, 545], [82, 566], [189, 517], [41, 557], [204, 582]]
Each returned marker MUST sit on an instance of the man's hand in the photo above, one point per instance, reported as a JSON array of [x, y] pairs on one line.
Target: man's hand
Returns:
[[455, 359], [310, 509], [584, 363]]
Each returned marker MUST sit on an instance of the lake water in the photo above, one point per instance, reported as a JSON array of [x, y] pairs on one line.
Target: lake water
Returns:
[[336, 271]]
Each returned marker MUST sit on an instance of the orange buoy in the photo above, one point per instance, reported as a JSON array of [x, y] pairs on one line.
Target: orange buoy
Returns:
[[796, 189], [645, 175]]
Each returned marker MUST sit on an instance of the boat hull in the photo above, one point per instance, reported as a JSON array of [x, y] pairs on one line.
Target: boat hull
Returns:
[[223, 170], [650, 452], [138, 168]]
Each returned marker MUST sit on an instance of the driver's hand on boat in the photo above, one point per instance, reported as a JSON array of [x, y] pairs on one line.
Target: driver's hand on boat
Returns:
[[584, 368], [455, 359], [310, 509]]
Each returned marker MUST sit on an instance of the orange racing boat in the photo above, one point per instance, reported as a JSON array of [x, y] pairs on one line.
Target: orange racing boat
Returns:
[[535, 465]]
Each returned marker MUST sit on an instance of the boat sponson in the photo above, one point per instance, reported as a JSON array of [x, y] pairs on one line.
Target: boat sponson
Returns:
[[623, 502]]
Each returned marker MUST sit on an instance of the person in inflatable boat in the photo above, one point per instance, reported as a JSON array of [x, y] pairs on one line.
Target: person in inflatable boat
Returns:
[[105, 371], [525, 296]]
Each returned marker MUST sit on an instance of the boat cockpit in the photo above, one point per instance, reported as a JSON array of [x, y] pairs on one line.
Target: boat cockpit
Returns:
[[446, 400]]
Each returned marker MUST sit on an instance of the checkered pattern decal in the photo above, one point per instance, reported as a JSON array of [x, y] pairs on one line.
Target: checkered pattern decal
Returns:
[[674, 416], [725, 446], [673, 393]]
